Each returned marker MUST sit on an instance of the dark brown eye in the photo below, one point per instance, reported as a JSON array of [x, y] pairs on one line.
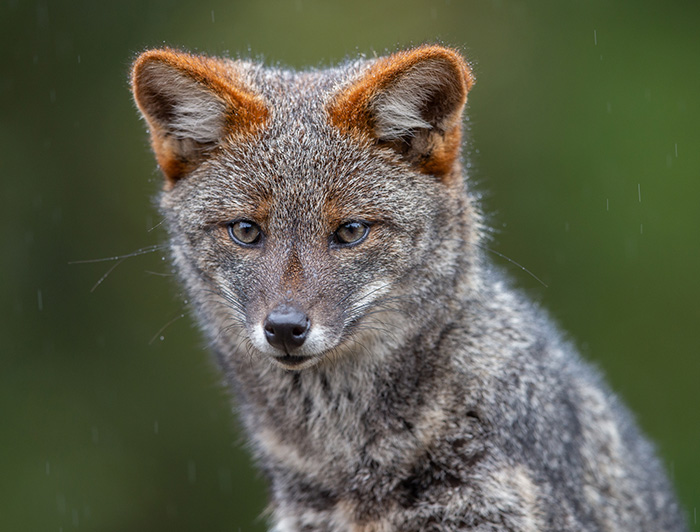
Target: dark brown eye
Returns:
[[351, 233], [244, 233]]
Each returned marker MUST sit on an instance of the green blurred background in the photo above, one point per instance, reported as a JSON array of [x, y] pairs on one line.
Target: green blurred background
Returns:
[[585, 137]]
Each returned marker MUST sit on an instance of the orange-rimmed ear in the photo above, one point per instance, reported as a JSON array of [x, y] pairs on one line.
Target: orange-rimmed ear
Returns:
[[411, 101], [191, 103]]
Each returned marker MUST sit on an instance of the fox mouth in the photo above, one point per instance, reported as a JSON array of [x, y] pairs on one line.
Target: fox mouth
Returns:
[[293, 361]]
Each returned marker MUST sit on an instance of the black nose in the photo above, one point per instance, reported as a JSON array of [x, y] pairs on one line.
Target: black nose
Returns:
[[286, 328]]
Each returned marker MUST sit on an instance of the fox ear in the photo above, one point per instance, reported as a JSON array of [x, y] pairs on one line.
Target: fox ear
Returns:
[[412, 102], [191, 103]]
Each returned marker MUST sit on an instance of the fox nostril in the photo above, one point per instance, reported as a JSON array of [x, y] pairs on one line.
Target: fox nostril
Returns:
[[286, 328]]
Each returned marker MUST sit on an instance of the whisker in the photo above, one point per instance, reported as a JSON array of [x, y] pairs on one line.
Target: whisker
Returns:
[[106, 274], [159, 274], [157, 225], [165, 327], [119, 259], [515, 263], [141, 251]]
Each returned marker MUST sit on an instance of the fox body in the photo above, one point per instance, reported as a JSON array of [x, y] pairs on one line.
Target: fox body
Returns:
[[389, 379]]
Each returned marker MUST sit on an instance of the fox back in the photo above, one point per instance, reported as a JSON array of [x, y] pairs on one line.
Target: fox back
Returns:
[[388, 377]]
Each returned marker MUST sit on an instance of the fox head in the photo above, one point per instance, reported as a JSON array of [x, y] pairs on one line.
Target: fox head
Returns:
[[312, 214]]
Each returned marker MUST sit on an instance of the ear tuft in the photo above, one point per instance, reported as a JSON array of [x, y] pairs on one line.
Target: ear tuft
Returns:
[[412, 102], [191, 103]]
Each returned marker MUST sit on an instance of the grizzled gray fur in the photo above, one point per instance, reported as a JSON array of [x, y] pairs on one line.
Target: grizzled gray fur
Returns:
[[388, 378]]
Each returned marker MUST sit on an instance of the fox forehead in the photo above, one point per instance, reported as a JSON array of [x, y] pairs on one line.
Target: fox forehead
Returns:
[[335, 186], [327, 175]]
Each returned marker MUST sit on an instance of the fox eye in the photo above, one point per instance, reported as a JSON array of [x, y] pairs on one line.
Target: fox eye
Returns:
[[245, 233], [351, 233]]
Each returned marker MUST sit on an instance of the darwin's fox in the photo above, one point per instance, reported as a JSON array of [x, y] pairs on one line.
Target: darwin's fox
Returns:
[[388, 378]]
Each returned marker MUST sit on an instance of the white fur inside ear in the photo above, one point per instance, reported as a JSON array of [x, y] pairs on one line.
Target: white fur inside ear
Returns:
[[196, 113], [199, 117], [400, 109]]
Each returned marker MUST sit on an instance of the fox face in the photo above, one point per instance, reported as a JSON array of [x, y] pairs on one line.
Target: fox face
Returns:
[[310, 213]]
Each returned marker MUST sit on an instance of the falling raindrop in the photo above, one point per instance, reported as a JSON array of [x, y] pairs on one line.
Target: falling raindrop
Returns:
[[61, 503]]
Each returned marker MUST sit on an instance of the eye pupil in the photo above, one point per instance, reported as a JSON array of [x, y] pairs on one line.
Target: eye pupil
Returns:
[[351, 233], [244, 233]]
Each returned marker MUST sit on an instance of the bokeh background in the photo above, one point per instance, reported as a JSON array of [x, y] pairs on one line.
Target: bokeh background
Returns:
[[584, 141]]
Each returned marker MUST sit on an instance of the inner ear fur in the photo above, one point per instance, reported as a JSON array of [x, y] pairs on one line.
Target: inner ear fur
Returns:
[[412, 103], [191, 103]]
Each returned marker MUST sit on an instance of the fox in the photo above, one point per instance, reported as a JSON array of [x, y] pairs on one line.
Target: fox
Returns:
[[387, 374]]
